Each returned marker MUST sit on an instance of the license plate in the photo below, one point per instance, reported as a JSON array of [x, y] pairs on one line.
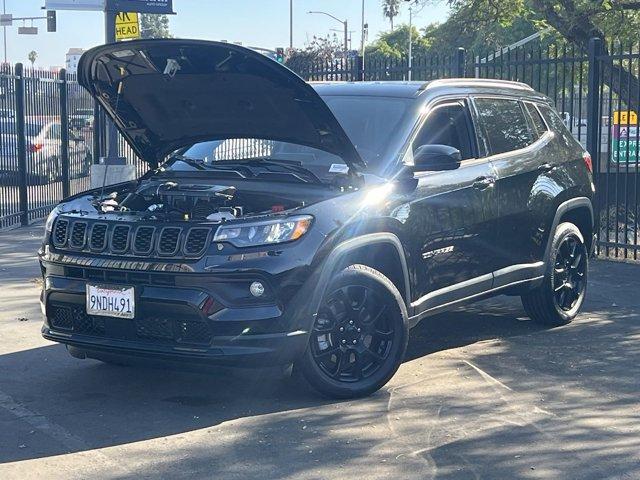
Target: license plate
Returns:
[[110, 301]]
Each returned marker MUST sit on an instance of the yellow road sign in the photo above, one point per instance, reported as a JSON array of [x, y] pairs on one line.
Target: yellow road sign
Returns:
[[625, 117], [127, 26]]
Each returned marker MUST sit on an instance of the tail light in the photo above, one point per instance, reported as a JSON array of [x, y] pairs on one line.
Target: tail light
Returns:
[[586, 156], [35, 147]]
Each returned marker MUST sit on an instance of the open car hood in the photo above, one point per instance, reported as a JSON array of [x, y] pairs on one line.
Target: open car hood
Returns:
[[167, 94]]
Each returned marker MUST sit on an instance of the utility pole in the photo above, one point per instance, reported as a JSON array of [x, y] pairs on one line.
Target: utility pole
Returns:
[[4, 11], [410, 41], [346, 36], [363, 32], [290, 24]]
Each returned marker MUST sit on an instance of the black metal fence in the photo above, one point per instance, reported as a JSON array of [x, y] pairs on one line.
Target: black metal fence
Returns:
[[48, 142], [50, 133], [596, 91]]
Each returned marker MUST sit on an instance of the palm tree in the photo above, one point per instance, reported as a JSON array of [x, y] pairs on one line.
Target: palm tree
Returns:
[[33, 55], [391, 9]]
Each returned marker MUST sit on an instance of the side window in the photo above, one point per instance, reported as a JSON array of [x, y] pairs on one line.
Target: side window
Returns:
[[556, 124], [504, 124], [448, 124], [539, 127]]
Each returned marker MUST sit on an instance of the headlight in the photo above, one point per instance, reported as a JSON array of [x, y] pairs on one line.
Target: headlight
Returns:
[[48, 226], [264, 233]]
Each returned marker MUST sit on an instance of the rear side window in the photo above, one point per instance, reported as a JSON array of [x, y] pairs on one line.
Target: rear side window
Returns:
[[539, 127], [557, 125], [504, 124]]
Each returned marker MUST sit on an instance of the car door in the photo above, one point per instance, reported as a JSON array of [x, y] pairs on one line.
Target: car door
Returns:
[[452, 214], [516, 145]]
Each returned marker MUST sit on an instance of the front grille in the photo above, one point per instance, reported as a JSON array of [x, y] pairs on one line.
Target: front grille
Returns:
[[74, 318], [151, 328], [129, 239], [169, 237], [120, 238], [78, 235], [60, 232], [155, 328], [61, 318], [196, 241], [98, 239], [143, 242], [194, 332]]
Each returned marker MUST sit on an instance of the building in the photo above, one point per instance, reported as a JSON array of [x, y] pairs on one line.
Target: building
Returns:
[[73, 57]]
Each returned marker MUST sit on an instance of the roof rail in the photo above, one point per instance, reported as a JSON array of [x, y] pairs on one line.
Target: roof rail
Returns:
[[476, 82]]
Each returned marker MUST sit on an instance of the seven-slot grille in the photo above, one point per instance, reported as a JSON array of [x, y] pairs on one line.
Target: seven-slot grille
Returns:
[[196, 241], [60, 232], [143, 243], [169, 238], [128, 239], [78, 235], [120, 238], [98, 239]]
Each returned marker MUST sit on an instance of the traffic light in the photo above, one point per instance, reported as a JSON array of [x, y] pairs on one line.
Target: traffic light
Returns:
[[51, 21], [280, 55]]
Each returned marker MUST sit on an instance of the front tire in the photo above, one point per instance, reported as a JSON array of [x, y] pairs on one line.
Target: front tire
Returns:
[[559, 298], [359, 337]]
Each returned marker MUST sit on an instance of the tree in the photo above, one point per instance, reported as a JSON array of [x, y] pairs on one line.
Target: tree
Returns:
[[391, 9], [395, 44], [154, 26], [33, 56], [577, 21]]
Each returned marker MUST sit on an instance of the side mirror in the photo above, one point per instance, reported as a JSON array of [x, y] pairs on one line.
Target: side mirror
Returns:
[[436, 158]]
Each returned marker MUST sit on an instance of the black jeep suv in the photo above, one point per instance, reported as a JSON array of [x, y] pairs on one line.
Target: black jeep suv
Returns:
[[287, 223]]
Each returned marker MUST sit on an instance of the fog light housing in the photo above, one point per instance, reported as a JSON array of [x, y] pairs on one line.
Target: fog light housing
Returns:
[[257, 289]]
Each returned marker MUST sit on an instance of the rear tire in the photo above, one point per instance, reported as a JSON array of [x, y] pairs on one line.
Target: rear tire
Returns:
[[359, 337], [559, 298]]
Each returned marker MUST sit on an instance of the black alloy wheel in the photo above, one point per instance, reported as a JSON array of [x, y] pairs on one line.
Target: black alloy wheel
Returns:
[[359, 336], [560, 295], [353, 335], [569, 275]]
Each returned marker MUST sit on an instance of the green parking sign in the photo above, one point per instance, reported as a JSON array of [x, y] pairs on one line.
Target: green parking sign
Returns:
[[624, 144]]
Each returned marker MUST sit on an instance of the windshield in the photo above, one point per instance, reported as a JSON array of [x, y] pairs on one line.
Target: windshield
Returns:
[[371, 124]]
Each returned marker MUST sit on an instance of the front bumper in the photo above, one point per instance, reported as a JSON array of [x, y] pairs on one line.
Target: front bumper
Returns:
[[181, 322]]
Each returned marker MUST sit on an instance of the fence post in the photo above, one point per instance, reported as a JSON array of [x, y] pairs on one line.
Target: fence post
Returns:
[[460, 62], [64, 134], [593, 101], [22, 145], [360, 68]]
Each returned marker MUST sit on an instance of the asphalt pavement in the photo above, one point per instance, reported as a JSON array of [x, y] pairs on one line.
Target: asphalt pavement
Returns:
[[484, 393]]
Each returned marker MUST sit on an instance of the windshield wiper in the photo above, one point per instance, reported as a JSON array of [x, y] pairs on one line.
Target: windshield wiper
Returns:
[[289, 166]]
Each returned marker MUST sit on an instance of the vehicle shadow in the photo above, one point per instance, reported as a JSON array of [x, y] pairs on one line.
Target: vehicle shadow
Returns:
[[88, 405]]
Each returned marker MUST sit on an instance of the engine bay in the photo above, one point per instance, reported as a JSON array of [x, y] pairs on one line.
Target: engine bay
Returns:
[[174, 201]]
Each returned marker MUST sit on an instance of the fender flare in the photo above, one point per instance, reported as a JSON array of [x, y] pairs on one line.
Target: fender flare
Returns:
[[563, 208], [338, 254]]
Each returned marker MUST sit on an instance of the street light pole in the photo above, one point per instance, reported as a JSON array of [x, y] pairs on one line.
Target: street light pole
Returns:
[[410, 40], [344, 23], [4, 11], [362, 41], [290, 24]]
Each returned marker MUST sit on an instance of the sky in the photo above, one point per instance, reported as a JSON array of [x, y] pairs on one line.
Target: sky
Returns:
[[260, 23]]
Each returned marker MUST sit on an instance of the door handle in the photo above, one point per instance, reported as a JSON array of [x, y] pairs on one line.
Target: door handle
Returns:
[[482, 183], [546, 167]]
